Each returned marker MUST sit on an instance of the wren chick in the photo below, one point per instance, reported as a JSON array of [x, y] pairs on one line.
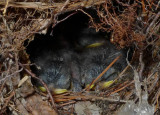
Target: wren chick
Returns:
[[97, 59], [54, 69], [52, 57], [97, 53]]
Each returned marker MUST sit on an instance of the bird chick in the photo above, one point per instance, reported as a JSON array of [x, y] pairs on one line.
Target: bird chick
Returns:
[[54, 69], [95, 58], [89, 38]]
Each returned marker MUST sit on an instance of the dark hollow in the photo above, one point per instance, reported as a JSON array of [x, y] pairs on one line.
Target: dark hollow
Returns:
[[65, 58]]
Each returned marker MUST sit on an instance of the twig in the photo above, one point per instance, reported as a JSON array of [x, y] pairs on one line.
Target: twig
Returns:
[[12, 106], [156, 97], [34, 76], [8, 99], [68, 103], [123, 4], [122, 88], [55, 6], [152, 23], [92, 97], [5, 23], [5, 9], [91, 19], [88, 88], [65, 4], [120, 75], [2, 86], [57, 22], [11, 75], [141, 66], [154, 83], [137, 80]]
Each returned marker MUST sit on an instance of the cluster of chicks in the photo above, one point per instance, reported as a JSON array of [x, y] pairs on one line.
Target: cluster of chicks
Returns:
[[74, 68]]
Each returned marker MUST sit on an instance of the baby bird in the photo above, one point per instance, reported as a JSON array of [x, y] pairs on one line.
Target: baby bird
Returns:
[[52, 57], [97, 59], [89, 38], [54, 70], [96, 55]]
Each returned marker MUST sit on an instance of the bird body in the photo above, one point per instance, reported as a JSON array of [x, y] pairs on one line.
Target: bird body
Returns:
[[95, 59], [54, 69], [65, 68]]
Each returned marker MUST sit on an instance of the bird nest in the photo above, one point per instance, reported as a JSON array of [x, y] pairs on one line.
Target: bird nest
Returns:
[[133, 24]]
